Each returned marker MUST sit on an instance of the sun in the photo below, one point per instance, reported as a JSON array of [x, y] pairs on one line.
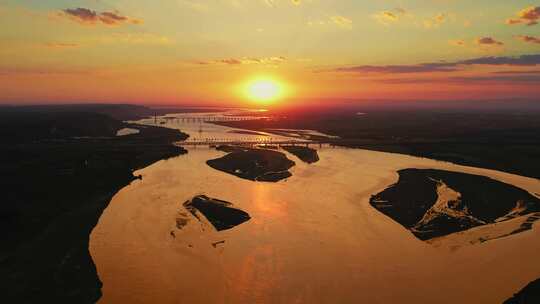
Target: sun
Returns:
[[264, 90]]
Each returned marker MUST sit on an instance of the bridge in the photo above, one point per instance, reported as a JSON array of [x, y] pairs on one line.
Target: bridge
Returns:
[[201, 119], [264, 142]]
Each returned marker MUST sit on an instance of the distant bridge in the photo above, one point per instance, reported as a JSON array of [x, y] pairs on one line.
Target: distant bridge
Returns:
[[201, 119], [264, 141]]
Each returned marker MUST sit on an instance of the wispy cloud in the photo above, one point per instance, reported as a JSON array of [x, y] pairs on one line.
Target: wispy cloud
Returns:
[[488, 41], [435, 21], [60, 45], [245, 61], [528, 72], [529, 39], [466, 80], [274, 3], [458, 42], [389, 16], [399, 69], [528, 16], [90, 17], [524, 60], [336, 20], [342, 22]]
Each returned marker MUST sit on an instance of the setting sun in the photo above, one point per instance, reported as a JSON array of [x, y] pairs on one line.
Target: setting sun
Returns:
[[264, 90]]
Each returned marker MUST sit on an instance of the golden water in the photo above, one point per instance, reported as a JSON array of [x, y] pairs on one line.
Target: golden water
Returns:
[[313, 238]]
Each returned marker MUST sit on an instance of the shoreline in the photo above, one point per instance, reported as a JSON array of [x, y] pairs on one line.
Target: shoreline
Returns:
[[73, 181]]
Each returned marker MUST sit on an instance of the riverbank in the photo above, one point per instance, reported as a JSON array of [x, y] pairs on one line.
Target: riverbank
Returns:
[[62, 169], [501, 140]]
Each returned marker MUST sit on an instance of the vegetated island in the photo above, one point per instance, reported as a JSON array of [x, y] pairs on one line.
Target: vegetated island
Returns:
[[219, 213], [62, 167], [305, 154], [253, 164], [433, 203]]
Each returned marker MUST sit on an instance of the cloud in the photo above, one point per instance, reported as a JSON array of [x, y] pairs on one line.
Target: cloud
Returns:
[[466, 80], [528, 72], [273, 3], [484, 43], [399, 69], [435, 21], [458, 42], [60, 45], [524, 60], [529, 39], [245, 61], [270, 3], [337, 20], [89, 17], [488, 41], [528, 16], [510, 78], [342, 22], [390, 16]]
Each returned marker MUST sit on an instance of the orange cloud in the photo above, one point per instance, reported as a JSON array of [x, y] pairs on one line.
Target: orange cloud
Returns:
[[529, 39], [435, 21], [457, 42], [488, 41], [528, 16], [388, 17]]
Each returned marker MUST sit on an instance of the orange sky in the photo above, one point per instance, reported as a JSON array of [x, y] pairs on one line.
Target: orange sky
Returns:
[[202, 52]]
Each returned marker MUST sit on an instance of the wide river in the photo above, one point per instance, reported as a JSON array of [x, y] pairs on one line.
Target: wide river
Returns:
[[312, 238]]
